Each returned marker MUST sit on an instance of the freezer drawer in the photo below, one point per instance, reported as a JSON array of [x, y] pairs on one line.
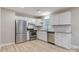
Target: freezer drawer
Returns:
[[20, 38], [51, 37]]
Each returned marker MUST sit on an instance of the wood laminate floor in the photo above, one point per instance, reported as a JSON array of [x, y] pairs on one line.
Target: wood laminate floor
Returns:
[[33, 46]]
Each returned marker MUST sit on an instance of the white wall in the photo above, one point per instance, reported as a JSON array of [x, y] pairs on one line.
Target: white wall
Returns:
[[0, 26], [75, 26], [7, 26]]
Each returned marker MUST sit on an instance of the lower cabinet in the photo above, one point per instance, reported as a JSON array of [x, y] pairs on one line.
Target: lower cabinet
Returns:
[[42, 35], [63, 40]]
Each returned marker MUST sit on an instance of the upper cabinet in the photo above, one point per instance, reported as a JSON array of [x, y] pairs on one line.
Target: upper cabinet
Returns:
[[62, 22], [62, 18], [38, 22], [50, 20]]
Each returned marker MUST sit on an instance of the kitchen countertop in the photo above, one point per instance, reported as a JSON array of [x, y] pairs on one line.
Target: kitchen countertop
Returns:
[[46, 31], [50, 31]]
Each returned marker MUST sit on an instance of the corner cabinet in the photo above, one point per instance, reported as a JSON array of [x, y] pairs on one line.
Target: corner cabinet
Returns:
[[62, 29]]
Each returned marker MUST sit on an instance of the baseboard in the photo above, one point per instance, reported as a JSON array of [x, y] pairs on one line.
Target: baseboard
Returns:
[[75, 47], [7, 44]]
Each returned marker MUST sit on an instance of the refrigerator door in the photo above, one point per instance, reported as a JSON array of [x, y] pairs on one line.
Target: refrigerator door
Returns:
[[21, 31], [20, 38], [21, 27]]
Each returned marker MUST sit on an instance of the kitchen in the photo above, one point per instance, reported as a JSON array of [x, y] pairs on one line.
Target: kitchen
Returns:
[[53, 28]]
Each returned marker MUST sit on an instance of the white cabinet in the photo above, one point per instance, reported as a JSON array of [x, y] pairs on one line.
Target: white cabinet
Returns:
[[62, 28], [50, 20], [28, 35], [42, 35], [63, 40], [62, 18], [30, 26], [39, 22], [44, 25], [55, 20], [62, 22]]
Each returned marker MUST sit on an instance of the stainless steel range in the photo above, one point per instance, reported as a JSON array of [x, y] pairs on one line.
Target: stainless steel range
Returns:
[[32, 34]]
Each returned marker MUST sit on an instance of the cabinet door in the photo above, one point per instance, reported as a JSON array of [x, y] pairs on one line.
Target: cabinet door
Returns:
[[66, 39], [63, 40], [42, 35], [62, 18], [55, 19], [67, 18], [58, 40], [50, 21], [38, 22]]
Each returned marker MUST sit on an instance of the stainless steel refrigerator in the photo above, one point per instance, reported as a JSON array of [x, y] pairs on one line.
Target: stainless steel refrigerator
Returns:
[[21, 31]]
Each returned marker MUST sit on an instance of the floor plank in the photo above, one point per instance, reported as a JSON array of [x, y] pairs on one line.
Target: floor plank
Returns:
[[33, 46]]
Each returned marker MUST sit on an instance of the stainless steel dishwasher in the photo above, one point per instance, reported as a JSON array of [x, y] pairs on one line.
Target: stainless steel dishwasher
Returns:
[[51, 37]]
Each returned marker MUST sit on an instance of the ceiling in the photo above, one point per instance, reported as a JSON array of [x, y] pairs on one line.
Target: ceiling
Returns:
[[33, 11]]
